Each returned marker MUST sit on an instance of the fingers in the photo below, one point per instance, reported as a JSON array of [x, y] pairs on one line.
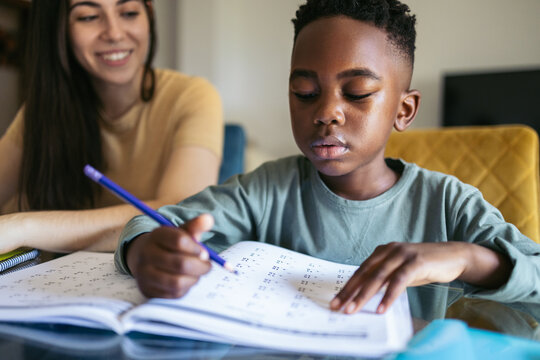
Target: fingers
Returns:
[[197, 226], [176, 252], [156, 283], [169, 275], [180, 261], [185, 239], [394, 289], [388, 267], [177, 241], [168, 261], [365, 282], [166, 275]]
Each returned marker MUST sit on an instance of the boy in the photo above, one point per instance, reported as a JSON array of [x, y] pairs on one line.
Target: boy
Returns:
[[342, 201]]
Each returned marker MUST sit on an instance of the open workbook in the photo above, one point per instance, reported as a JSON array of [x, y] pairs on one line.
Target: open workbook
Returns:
[[279, 300]]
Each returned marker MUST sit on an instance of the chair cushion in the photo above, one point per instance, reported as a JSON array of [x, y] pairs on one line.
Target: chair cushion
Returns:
[[233, 152], [501, 161]]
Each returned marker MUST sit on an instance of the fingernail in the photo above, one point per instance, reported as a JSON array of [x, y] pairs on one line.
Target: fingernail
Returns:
[[350, 308], [204, 256], [380, 309], [335, 303]]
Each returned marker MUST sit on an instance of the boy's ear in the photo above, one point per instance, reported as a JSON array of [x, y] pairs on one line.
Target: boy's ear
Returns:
[[407, 110]]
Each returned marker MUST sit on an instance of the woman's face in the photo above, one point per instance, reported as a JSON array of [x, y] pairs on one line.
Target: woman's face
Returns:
[[110, 39]]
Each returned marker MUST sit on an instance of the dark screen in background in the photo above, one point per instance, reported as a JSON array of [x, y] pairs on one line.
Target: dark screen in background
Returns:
[[511, 97]]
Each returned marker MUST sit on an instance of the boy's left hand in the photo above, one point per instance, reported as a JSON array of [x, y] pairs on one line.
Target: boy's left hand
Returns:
[[398, 265]]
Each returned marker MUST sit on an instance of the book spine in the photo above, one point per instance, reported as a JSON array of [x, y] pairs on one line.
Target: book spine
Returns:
[[15, 260]]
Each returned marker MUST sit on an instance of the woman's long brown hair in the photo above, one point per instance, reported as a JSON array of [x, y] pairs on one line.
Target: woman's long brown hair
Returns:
[[61, 131]]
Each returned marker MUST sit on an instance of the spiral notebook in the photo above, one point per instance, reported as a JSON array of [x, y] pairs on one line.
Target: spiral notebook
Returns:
[[16, 257]]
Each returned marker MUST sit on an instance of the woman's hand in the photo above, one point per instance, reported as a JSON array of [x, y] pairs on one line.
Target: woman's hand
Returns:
[[168, 261], [395, 266]]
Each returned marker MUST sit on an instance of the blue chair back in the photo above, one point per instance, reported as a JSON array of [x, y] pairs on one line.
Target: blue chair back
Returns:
[[233, 152]]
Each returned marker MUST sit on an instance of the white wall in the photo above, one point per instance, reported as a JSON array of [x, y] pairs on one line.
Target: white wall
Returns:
[[243, 47], [167, 32], [470, 35]]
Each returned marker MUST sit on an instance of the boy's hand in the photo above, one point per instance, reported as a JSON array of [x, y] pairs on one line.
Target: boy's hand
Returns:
[[167, 261], [398, 265]]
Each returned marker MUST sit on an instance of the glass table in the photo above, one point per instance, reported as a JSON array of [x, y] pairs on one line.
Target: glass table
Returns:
[[429, 302]]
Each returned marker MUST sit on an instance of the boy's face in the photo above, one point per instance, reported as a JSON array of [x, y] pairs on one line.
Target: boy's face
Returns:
[[348, 87]]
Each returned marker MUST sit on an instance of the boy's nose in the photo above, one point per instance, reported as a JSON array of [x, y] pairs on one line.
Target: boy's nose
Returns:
[[329, 111]]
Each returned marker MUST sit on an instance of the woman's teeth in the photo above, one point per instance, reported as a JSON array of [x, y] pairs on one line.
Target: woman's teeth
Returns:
[[116, 56]]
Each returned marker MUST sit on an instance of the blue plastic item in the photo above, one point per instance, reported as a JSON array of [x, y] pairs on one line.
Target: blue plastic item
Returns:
[[453, 340], [233, 152]]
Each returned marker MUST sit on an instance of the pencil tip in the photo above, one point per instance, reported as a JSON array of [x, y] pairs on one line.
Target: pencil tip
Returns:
[[229, 268]]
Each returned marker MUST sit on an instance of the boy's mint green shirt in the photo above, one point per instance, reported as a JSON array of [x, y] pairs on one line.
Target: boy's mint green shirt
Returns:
[[285, 203]]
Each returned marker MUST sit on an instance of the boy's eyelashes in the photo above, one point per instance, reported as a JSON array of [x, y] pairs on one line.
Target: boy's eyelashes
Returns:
[[304, 96], [313, 96], [355, 97]]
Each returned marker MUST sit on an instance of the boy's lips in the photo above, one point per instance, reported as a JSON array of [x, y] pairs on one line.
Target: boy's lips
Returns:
[[329, 147]]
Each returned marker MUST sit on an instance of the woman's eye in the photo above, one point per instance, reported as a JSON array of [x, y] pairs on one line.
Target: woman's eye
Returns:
[[130, 14], [87, 18], [355, 97]]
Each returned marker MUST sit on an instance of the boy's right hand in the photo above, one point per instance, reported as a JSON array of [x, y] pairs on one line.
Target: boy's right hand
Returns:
[[167, 262]]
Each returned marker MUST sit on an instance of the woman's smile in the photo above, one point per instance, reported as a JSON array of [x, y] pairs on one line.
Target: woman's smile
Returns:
[[115, 57]]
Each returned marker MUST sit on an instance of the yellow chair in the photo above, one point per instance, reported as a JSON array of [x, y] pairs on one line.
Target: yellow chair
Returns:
[[501, 161]]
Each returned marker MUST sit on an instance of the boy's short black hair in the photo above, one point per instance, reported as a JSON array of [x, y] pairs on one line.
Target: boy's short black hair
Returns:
[[389, 15]]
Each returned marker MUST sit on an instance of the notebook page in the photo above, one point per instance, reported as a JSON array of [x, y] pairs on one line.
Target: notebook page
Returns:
[[82, 288], [284, 296]]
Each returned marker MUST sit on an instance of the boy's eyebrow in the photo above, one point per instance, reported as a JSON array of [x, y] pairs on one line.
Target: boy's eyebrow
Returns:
[[302, 73], [359, 72], [344, 74], [94, 4]]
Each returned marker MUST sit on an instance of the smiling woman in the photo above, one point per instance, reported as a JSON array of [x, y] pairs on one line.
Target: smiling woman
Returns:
[[93, 98], [110, 41]]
